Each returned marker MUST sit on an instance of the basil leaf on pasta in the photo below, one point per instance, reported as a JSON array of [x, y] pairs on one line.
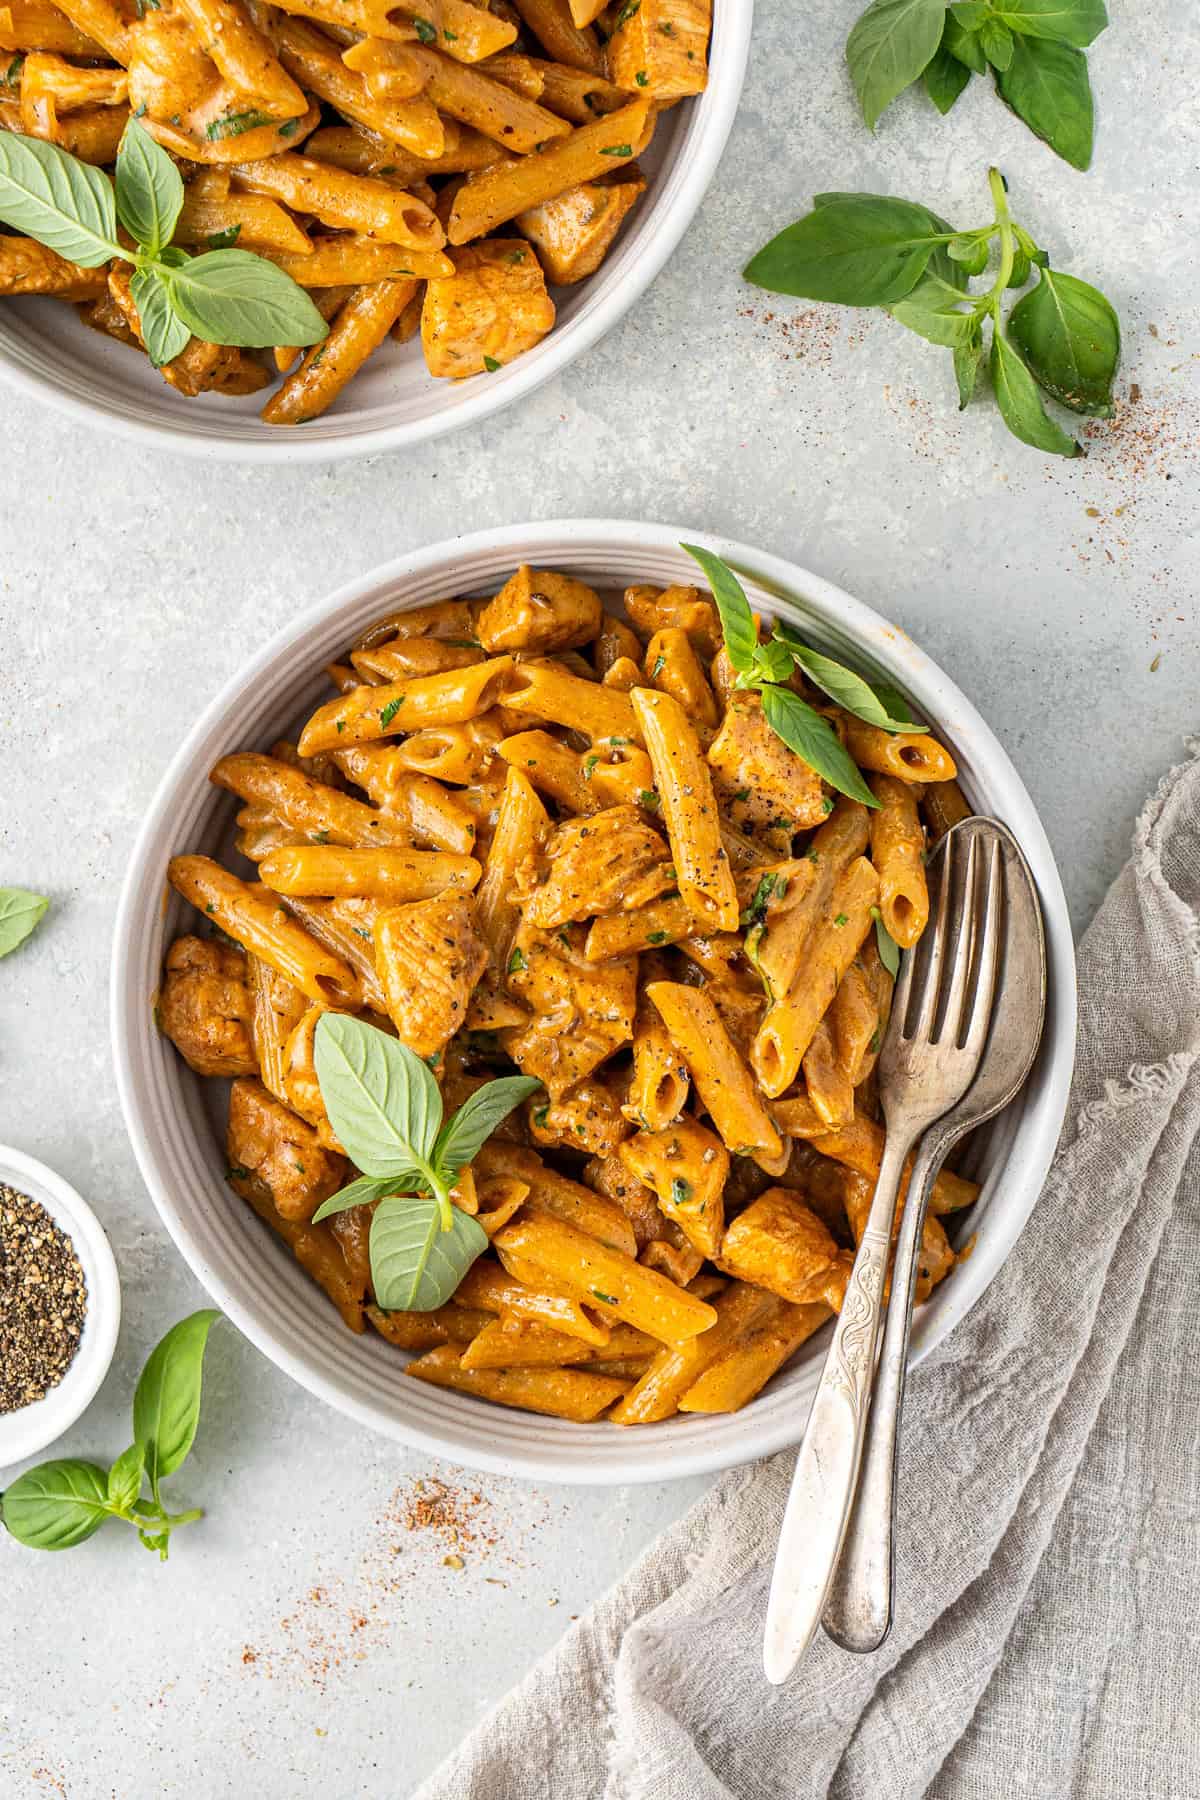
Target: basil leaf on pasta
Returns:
[[416, 1263], [382, 1099], [163, 333], [462, 1137], [235, 297], [814, 739], [149, 190], [52, 196], [841, 684], [737, 618]]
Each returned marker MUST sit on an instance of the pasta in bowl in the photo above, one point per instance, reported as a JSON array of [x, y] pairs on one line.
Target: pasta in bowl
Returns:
[[469, 199], [599, 872]]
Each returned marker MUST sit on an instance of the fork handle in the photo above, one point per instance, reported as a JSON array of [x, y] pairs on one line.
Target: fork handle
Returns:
[[858, 1609], [827, 1464]]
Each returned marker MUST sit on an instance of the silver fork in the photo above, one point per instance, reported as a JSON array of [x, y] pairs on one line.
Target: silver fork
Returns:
[[858, 1612], [935, 1039]]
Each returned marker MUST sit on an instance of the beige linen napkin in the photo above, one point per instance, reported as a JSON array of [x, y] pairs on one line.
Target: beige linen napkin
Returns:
[[1048, 1604]]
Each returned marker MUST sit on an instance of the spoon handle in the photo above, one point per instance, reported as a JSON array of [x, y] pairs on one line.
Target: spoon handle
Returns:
[[858, 1610], [828, 1459]]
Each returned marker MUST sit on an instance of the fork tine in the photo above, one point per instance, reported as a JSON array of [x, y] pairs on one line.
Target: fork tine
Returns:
[[931, 987], [961, 953], [989, 932]]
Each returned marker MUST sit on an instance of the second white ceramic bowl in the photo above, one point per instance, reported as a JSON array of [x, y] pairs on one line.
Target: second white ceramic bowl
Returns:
[[174, 1118], [393, 402]]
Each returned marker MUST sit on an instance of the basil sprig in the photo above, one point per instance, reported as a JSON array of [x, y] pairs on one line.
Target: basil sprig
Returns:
[[61, 1503], [20, 914], [386, 1109], [223, 296], [1062, 335], [768, 666], [1034, 49]]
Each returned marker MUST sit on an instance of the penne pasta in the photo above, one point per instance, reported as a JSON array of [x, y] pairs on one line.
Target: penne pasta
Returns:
[[563, 1393], [898, 853], [689, 809], [390, 876], [722, 1079], [263, 928], [493, 196], [619, 1287], [369, 713], [907, 755]]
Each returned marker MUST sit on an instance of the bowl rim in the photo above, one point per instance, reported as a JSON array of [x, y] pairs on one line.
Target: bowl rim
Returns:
[[33, 1428], [727, 74], [1025, 1167]]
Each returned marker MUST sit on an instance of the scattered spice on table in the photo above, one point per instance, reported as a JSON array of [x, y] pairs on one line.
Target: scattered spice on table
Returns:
[[43, 1301]]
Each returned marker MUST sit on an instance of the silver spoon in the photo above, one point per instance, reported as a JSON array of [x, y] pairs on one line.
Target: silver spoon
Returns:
[[939, 1024], [858, 1613]]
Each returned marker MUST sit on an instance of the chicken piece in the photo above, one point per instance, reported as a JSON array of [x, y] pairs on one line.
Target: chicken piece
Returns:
[[574, 232], [780, 1244], [761, 784], [266, 1140], [686, 1165], [652, 609], [588, 1118], [493, 307], [318, 1249], [673, 1255], [660, 48], [583, 1011], [205, 1007], [610, 861], [609, 1176], [430, 955], [537, 610]]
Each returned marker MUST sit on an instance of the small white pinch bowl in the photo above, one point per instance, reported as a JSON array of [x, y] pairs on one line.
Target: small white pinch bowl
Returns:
[[32, 1428], [177, 1129]]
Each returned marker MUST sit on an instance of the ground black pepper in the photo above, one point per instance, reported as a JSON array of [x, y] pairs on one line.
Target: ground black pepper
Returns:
[[43, 1301]]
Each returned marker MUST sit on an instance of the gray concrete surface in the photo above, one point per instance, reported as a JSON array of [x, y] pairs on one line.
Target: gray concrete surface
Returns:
[[303, 1640]]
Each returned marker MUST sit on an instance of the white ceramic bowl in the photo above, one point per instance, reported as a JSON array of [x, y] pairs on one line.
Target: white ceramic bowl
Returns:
[[175, 1127], [32, 1428], [47, 352]]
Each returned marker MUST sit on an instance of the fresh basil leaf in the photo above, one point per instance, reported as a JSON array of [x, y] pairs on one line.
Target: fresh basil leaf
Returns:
[[813, 738], [20, 911], [1070, 338], [57, 1504], [963, 44], [1020, 403], [970, 14], [889, 47], [368, 1188], [970, 250], [55, 198], [125, 1477], [415, 1265], [1076, 22], [850, 691], [461, 1137], [945, 77], [166, 1402], [1046, 84], [889, 949], [861, 250], [737, 618], [967, 358], [164, 335], [772, 661], [382, 1100], [235, 297], [996, 42], [1018, 275], [149, 190], [934, 311], [896, 706]]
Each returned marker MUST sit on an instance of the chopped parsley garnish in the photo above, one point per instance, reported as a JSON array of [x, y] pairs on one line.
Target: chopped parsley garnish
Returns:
[[387, 713], [517, 961], [589, 764], [606, 1298], [540, 1115], [289, 128], [840, 920], [425, 31], [874, 1043], [641, 78], [617, 150], [490, 364], [649, 799], [660, 662], [239, 1174], [233, 125], [12, 75], [826, 805], [365, 935], [626, 13], [224, 240], [681, 1190], [341, 724], [757, 909], [320, 837], [656, 937]]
